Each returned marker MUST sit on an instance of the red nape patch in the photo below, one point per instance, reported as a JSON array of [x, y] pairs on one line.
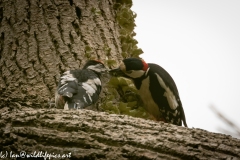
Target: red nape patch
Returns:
[[145, 65], [98, 61]]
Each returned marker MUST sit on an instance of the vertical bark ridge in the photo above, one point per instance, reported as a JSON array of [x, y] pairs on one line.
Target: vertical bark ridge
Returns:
[[42, 39], [42, 50], [106, 22], [13, 68]]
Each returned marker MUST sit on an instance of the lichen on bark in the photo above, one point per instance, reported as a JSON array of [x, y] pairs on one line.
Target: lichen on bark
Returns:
[[122, 96]]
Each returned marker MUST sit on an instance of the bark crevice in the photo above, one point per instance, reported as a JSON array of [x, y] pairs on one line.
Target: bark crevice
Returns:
[[86, 132]]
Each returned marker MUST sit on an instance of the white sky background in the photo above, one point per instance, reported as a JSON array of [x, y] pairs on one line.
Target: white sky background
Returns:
[[198, 43]]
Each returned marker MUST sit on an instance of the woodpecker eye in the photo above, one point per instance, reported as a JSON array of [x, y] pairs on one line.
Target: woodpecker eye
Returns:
[[128, 72]]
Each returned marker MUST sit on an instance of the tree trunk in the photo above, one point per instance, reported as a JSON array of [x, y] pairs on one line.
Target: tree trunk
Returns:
[[40, 39], [87, 134]]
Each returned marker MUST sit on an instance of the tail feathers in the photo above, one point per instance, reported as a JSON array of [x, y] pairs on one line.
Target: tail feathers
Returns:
[[74, 105], [183, 117]]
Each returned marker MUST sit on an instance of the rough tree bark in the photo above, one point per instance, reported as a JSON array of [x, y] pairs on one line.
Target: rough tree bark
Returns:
[[40, 39], [88, 134]]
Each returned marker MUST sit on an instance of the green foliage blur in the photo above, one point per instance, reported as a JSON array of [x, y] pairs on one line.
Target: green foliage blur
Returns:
[[122, 96]]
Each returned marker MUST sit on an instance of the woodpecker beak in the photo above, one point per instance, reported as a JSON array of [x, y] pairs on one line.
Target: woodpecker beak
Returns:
[[117, 72], [105, 71]]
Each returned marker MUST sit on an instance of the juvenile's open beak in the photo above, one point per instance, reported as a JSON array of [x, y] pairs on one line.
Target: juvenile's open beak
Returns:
[[105, 71]]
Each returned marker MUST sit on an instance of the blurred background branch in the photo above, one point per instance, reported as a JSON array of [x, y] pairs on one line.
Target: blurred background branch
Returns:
[[232, 125]]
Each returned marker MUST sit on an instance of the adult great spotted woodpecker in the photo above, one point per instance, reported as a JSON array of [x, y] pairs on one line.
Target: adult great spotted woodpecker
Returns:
[[157, 89], [80, 88]]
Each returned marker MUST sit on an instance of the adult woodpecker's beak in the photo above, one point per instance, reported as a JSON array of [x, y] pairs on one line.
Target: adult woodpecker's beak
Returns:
[[117, 72]]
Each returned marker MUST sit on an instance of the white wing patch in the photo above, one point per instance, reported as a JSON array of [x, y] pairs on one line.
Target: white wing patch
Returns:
[[84, 99], [91, 86], [67, 76], [175, 113], [63, 87], [88, 88], [168, 94], [97, 81], [90, 98]]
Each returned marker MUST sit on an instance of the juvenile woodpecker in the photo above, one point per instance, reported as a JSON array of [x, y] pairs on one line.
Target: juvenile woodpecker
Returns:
[[80, 88], [157, 89]]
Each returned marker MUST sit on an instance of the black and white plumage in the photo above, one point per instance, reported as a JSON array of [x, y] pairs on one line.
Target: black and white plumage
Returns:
[[157, 89], [80, 88]]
